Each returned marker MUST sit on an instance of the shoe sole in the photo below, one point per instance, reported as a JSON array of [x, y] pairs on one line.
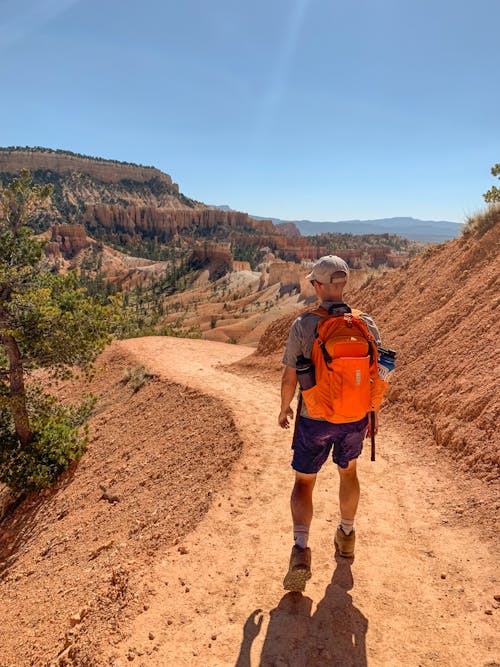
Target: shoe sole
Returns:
[[295, 580]]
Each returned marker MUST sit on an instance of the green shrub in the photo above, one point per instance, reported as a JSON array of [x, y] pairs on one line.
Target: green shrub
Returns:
[[58, 439]]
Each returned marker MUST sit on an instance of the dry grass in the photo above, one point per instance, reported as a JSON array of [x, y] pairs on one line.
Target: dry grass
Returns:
[[136, 377], [480, 223]]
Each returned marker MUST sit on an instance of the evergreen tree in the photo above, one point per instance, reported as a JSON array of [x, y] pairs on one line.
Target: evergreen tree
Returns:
[[493, 194]]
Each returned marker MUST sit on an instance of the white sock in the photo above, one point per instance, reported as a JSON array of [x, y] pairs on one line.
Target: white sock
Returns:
[[347, 525], [300, 536]]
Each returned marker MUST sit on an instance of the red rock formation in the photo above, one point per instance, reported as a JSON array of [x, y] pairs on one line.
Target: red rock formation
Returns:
[[396, 260], [379, 255], [289, 229], [67, 241], [214, 252], [241, 266], [287, 273], [166, 222]]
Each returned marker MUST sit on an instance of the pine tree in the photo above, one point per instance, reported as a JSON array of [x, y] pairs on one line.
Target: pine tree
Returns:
[[493, 194]]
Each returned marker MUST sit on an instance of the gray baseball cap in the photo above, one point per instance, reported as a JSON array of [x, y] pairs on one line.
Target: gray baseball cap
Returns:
[[325, 268]]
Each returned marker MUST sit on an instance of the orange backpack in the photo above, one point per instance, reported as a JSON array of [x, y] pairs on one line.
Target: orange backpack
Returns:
[[344, 355]]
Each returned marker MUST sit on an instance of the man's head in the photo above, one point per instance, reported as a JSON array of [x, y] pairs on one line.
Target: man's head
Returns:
[[329, 276]]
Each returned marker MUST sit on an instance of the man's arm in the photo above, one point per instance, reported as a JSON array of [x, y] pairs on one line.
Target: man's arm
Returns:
[[288, 386]]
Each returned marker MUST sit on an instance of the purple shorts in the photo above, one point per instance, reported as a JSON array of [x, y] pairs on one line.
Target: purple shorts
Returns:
[[313, 440]]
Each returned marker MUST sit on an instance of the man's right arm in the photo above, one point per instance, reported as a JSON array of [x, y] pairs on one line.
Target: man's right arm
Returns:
[[288, 386]]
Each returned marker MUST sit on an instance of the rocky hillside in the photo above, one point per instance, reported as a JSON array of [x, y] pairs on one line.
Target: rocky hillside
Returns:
[[440, 312], [128, 205]]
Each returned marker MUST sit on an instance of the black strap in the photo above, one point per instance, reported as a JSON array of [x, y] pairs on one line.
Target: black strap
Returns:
[[372, 435], [340, 307], [324, 351]]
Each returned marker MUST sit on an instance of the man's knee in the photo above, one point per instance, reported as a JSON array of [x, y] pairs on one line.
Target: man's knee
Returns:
[[303, 483], [350, 471]]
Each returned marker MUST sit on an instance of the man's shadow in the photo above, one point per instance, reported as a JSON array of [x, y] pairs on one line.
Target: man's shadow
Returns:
[[334, 636]]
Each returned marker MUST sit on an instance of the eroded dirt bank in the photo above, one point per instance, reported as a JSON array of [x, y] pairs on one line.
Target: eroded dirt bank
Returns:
[[72, 559]]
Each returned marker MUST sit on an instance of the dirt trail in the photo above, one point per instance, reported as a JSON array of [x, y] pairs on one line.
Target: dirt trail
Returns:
[[420, 591]]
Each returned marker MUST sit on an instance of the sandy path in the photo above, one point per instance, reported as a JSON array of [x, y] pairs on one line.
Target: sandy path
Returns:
[[420, 591]]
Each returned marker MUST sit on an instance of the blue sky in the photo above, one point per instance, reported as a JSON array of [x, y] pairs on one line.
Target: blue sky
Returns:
[[318, 109]]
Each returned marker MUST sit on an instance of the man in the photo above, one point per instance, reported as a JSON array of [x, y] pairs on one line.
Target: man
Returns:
[[315, 438]]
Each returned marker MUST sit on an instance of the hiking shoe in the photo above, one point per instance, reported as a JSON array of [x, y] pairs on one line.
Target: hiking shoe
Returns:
[[299, 570], [345, 543]]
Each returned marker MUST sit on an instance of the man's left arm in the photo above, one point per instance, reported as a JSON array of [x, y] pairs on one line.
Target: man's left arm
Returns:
[[289, 378], [288, 386]]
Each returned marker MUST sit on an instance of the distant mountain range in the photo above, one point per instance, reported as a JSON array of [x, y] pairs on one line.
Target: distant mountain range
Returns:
[[436, 231]]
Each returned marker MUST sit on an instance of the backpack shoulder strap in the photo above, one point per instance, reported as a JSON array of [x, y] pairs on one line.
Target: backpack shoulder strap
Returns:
[[323, 314]]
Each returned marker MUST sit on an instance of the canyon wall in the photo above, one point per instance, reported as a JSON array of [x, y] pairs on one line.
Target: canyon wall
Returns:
[[12, 161], [166, 223]]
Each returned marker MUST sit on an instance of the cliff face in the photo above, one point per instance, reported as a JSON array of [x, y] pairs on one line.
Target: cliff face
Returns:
[[12, 161], [166, 223]]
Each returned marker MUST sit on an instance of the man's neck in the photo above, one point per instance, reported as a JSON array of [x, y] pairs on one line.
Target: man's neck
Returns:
[[339, 301], [335, 306]]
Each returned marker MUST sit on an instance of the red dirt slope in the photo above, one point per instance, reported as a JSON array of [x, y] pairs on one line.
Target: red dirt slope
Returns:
[[72, 559]]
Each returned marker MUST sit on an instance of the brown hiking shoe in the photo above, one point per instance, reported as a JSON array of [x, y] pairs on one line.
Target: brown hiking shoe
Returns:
[[345, 543], [299, 570]]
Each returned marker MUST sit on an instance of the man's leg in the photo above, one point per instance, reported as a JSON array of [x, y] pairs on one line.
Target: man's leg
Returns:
[[301, 502], [348, 491], [348, 500], [309, 454], [299, 569]]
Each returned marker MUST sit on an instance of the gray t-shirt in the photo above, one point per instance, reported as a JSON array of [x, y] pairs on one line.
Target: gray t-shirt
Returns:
[[302, 332]]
